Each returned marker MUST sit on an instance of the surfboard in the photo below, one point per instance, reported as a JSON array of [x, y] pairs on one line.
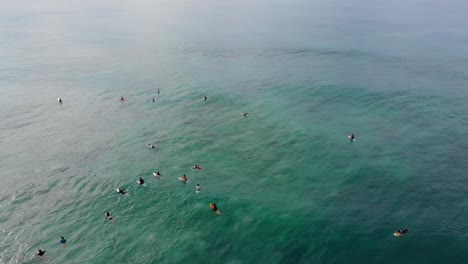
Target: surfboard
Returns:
[[397, 234], [217, 211], [182, 179], [351, 139]]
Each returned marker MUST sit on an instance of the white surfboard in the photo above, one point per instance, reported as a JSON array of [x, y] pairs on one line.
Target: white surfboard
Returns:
[[351, 139], [182, 179]]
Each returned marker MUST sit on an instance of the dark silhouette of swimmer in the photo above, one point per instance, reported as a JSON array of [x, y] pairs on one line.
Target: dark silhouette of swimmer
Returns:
[[122, 191], [185, 178], [60, 100], [122, 99], [40, 252], [141, 181], [245, 114], [154, 99], [206, 98]]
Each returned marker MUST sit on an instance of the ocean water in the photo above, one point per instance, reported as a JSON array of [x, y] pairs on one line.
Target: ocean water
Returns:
[[290, 185]]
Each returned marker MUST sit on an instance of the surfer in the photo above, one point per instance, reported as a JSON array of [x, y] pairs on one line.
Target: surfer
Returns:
[[154, 99], [141, 181], [121, 191], [184, 178], [205, 98], [157, 174], [158, 91], [108, 216], [401, 232], [151, 146], [214, 208], [198, 188], [40, 252], [63, 241], [196, 167], [122, 99], [245, 114], [59, 100]]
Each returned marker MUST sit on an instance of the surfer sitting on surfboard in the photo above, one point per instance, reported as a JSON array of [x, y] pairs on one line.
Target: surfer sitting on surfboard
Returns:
[[141, 181], [40, 252], [198, 188], [401, 232], [157, 174], [63, 241], [351, 137], [184, 178], [122, 99]]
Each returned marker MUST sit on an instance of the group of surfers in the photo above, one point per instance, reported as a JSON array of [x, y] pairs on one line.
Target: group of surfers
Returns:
[[184, 178]]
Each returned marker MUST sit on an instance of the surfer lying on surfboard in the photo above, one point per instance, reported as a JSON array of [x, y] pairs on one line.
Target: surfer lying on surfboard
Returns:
[[401, 232], [183, 178], [214, 208], [121, 191], [351, 137], [196, 167]]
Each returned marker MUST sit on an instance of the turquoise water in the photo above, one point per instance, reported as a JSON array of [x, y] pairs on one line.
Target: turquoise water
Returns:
[[290, 186]]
